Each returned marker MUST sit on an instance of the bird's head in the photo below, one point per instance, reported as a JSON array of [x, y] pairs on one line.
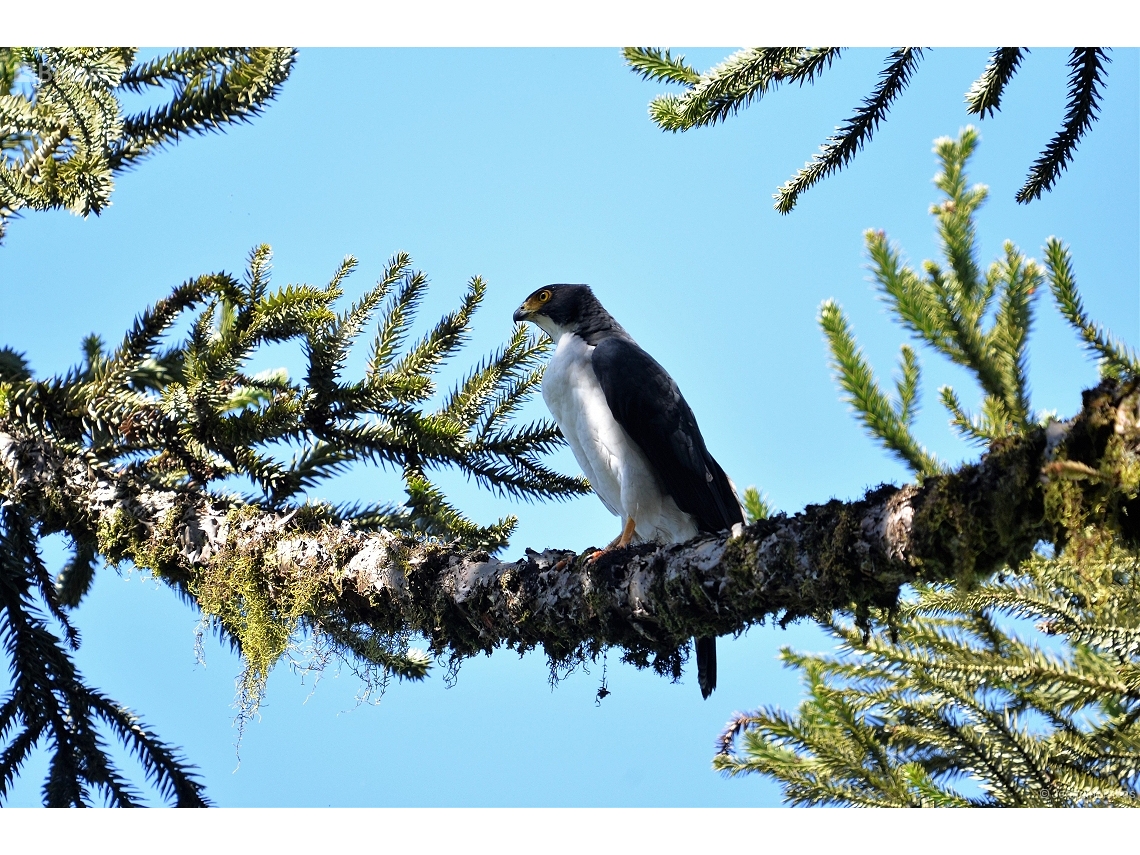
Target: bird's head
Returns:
[[559, 309]]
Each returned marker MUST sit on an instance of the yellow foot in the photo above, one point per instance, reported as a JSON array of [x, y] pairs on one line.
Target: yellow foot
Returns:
[[620, 542], [627, 534]]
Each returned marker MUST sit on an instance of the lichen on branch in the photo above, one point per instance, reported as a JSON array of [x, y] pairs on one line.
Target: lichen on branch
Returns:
[[263, 573]]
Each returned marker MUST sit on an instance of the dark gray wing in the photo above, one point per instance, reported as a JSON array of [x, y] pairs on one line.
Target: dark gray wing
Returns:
[[647, 403]]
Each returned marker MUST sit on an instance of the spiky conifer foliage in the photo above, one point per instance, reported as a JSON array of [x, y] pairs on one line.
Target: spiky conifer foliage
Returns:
[[968, 683], [749, 74], [64, 133], [967, 705], [947, 307], [50, 705], [188, 415], [65, 130]]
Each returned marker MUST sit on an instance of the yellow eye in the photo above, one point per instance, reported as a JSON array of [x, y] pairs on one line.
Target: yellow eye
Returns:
[[543, 296]]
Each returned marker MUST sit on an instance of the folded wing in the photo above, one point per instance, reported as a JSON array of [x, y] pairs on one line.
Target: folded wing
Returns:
[[646, 402]]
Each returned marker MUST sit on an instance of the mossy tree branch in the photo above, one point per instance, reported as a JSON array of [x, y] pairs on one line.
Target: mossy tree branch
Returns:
[[647, 600]]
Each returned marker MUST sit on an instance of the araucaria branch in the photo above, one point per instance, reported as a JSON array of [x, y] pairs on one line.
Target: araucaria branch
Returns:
[[648, 601]]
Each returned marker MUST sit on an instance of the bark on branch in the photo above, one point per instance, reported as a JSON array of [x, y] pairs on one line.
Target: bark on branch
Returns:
[[647, 600]]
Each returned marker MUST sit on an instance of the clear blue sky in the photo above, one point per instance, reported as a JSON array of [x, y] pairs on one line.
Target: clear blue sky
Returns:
[[529, 167]]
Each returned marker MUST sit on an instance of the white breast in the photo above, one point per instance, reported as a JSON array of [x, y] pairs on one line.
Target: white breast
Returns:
[[615, 465]]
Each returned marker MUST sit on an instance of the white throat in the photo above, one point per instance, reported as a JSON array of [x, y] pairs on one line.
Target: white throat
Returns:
[[555, 331]]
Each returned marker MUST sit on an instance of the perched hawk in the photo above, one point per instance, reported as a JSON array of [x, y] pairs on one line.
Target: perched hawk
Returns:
[[631, 431]]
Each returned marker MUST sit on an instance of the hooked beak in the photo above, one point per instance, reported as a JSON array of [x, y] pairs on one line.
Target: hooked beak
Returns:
[[521, 314]]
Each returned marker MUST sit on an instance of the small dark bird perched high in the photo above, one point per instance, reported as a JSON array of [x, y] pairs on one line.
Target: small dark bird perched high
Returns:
[[631, 431]]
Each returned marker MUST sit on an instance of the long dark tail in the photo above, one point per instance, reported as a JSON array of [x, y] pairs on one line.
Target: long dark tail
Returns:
[[706, 665]]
